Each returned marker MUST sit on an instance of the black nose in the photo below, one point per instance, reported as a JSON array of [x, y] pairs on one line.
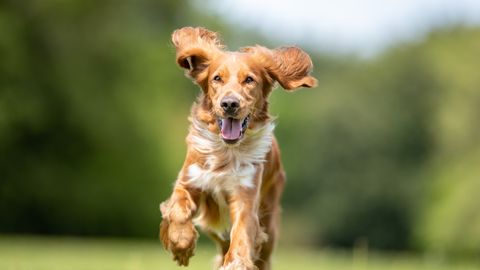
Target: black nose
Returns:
[[230, 104]]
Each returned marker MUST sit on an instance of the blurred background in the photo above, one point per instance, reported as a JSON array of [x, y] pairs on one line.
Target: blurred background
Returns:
[[384, 154]]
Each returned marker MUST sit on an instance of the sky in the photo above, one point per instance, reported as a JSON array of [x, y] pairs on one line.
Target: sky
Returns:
[[365, 27]]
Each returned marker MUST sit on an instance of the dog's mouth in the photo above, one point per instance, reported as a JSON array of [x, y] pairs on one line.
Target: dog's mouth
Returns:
[[231, 129]]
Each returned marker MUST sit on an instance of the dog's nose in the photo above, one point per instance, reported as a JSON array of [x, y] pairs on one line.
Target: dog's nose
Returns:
[[230, 104]]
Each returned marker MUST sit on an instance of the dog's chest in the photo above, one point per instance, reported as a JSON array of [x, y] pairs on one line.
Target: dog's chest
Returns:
[[227, 179], [216, 184], [224, 168]]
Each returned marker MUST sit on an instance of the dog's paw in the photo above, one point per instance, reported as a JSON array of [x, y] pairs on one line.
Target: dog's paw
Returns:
[[180, 239], [238, 264], [177, 210]]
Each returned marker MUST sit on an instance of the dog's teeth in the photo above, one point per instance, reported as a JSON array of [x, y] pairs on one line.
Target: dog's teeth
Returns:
[[245, 122]]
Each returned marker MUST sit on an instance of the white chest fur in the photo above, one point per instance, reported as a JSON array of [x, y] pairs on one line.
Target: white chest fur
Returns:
[[227, 167], [225, 180]]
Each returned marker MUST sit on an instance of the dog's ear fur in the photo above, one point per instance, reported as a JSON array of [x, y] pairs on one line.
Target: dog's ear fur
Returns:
[[195, 48], [289, 66]]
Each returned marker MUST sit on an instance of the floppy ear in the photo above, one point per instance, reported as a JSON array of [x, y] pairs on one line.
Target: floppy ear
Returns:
[[195, 48], [289, 66]]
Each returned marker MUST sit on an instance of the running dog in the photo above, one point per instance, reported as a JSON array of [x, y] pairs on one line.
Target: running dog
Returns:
[[232, 178]]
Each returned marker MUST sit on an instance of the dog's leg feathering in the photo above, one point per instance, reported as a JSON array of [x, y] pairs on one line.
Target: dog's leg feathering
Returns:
[[177, 231]]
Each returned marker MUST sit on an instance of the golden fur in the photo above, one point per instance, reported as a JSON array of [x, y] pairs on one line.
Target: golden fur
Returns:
[[230, 189]]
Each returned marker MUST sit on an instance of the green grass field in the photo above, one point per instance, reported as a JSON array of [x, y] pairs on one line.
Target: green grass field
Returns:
[[40, 253]]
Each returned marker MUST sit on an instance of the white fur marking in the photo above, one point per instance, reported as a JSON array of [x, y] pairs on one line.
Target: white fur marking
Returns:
[[226, 166], [194, 171]]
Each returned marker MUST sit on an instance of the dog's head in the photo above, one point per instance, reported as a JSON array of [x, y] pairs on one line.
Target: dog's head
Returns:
[[236, 85]]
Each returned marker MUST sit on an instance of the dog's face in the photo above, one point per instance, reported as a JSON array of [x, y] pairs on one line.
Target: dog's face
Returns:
[[236, 92], [236, 85]]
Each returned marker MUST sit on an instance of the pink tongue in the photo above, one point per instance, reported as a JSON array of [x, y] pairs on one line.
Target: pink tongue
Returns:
[[231, 128]]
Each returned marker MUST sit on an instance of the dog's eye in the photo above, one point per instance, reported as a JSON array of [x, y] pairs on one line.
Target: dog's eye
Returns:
[[249, 80], [217, 78]]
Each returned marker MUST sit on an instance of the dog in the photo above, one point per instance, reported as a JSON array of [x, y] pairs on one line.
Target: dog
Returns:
[[232, 178]]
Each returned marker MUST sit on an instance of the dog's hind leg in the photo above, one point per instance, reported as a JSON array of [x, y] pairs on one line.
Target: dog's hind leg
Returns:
[[270, 220], [222, 246]]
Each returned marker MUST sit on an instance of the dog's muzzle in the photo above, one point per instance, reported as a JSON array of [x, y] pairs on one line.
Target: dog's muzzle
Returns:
[[231, 129]]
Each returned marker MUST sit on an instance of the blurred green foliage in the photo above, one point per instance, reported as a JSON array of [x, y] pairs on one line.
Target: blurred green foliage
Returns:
[[84, 139], [93, 119]]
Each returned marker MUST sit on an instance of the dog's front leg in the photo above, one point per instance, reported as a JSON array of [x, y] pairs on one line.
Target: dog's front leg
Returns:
[[246, 235], [177, 231]]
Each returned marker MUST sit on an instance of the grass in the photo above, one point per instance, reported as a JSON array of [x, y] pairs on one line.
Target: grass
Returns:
[[41, 253]]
